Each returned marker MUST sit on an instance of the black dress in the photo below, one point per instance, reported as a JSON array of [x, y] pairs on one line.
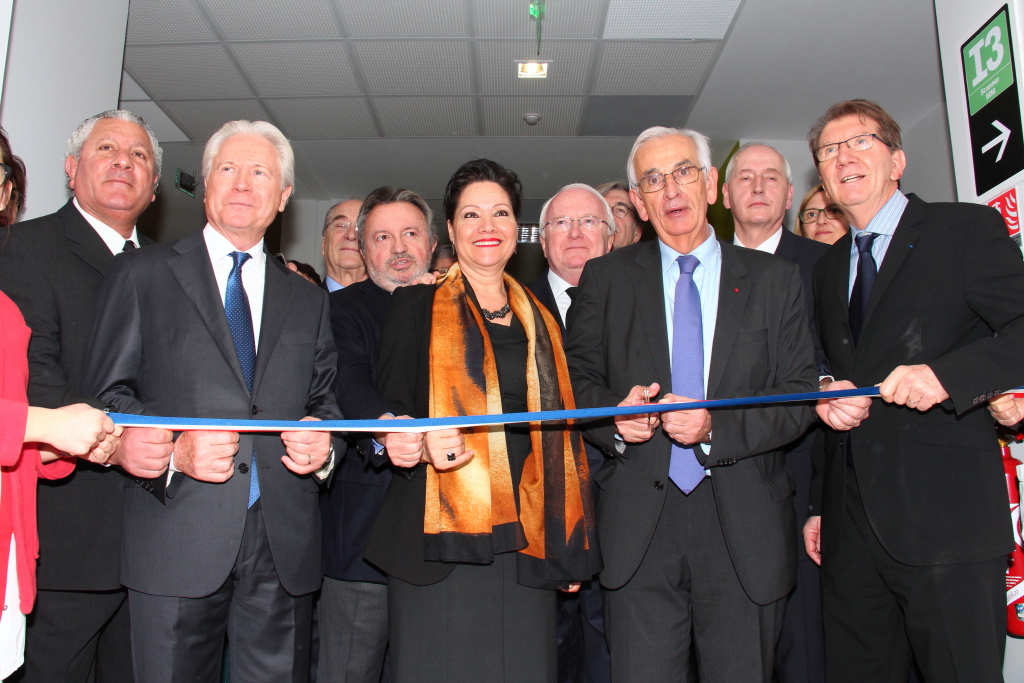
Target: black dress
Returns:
[[474, 623]]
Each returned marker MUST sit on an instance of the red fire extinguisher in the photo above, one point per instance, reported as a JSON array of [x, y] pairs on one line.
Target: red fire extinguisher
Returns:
[[1014, 471]]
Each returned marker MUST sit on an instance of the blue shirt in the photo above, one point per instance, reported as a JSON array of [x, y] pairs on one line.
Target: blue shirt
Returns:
[[884, 225], [332, 285], [707, 277]]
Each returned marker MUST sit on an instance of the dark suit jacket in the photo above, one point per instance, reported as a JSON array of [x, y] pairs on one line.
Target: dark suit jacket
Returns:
[[949, 294], [52, 267], [618, 339], [349, 506], [161, 346]]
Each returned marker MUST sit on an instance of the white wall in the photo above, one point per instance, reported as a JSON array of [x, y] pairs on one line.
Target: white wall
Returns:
[[301, 227], [929, 171], [63, 65]]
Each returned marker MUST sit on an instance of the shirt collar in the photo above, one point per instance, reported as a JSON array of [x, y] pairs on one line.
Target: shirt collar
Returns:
[[332, 284], [770, 245], [707, 253], [112, 238], [219, 247], [557, 284], [887, 218]]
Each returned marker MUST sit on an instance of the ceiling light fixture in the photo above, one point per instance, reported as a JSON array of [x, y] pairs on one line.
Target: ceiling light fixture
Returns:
[[532, 69]]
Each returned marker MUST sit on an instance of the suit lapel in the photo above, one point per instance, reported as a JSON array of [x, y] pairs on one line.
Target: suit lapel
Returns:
[[840, 273], [907, 232], [194, 273], [649, 288], [787, 246], [733, 293], [85, 243], [277, 296]]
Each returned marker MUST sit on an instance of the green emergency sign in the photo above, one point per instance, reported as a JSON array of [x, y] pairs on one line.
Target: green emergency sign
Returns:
[[988, 65]]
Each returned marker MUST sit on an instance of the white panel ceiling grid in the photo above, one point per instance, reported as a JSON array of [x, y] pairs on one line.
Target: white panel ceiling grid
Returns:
[[559, 115], [422, 117], [165, 21], [264, 20], [563, 19], [201, 118], [404, 19], [173, 71], [416, 67], [661, 68], [673, 19], [567, 75], [291, 69], [324, 118]]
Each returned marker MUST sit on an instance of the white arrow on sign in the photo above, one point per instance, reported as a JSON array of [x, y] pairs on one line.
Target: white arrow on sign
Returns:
[[1001, 140]]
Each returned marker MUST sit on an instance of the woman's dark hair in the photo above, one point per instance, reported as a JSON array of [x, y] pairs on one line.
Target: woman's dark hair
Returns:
[[9, 215], [307, 270], [478, 171]]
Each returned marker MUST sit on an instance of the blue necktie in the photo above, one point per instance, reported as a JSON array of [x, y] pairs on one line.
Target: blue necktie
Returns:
[[236, 305], [861, 294], [687, 367]]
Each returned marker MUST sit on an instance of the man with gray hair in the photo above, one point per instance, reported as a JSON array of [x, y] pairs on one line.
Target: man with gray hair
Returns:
[[697, 526], [52, 267], [221, 530], [396, 237], [758, 189], [628, 227], [340, 247]]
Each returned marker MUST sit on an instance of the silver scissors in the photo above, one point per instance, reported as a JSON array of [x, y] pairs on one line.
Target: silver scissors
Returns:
[[647, 399]]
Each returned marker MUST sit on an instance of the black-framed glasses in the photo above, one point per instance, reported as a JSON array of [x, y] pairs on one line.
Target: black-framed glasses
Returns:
[[7, 173], [586, 223], [858, 143], [811, 215], [684, 175]]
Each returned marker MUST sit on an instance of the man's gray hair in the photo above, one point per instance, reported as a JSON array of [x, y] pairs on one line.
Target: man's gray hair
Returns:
[[731, 166], [393, 195], [267, 131], [327, 215], [609, 217], [78, 138], [700, 140]]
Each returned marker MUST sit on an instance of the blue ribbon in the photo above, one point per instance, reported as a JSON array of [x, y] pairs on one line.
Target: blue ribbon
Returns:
[[465, 421]]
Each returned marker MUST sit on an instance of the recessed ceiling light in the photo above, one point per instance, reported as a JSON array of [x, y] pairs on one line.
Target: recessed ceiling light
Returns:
[[532, 69]]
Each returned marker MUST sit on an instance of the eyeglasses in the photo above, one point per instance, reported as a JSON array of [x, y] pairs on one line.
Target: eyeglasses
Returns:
[[587, 223], [334, 227], [440, 272], [811, 215], [621, 211], [858, 143], [684, 175], [7, 173]]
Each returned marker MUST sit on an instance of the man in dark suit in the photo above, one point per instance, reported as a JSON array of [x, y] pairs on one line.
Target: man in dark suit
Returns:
[[910, 506], [697, 526], [396, 238], [576, 225], [52, 267], [340, 247], [229, 539], [758, 189]]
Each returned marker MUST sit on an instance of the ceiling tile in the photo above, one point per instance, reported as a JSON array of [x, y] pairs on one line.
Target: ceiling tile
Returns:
[[157, 119], [655, 19], [295, 69], [165, 21], [558, 115], [404, 18], [130, 90], [567, 74], [653, 68], [201, 118], [426, 116], [184, 71], [415, 68], [511, 19], [262, 20], [324, 118]]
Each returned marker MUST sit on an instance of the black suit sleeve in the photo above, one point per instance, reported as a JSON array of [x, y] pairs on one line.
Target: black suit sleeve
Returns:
[[322, 402], [23, 279], [993, 276], [404, 344]]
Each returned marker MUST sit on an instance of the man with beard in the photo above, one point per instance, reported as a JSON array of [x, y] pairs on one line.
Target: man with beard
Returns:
[[396, 239]]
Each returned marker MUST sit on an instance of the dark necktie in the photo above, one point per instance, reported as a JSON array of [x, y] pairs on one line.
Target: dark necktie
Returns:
[[861, 294], [128, 246], [236, 306], [572, 292], [687, 367]]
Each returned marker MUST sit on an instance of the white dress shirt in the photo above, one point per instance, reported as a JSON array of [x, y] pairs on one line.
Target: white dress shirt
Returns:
[[558, 289], [112, 238], [254, 273], [768, 246]]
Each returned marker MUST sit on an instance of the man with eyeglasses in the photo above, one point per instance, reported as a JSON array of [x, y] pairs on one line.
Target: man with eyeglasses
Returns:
[[628, 227], [910, 525], [576, 225], [697, 527], [758, 189], [340, 247]]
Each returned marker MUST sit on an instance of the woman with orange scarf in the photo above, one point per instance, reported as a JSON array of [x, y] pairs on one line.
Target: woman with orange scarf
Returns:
[[479, 527]]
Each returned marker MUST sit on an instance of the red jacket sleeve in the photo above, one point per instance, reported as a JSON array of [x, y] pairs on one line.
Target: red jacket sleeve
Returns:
[[13, 416]]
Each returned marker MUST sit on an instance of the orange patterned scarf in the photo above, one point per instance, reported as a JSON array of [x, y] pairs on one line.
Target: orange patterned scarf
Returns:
[[470, 512]]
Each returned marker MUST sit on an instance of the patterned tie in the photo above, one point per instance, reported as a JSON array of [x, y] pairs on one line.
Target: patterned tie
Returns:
[[861, 294], [236, 305], [687, 367]]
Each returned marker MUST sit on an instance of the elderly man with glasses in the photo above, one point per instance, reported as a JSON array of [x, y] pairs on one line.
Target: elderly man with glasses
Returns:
[[697, 527], [628, 227], [340, 247]]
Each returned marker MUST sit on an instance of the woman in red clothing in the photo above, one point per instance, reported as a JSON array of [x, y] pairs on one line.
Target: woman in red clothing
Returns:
[[34, 442]]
